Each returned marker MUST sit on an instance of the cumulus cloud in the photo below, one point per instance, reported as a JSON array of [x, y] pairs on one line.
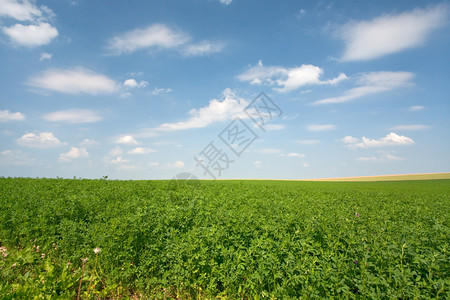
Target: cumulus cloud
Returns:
[[74, 116], [132, 83], [203, 48], [39, 140], [226, 2], [287, 79], [74, 81], [372, 83], [19, 10], [391, 139], [127, 140], [412, 127], [228, 107], [141, 150], [73, 153], [153, 36], [387, 34], [320, 127], [37, 32], [7, 116], [31, 35]]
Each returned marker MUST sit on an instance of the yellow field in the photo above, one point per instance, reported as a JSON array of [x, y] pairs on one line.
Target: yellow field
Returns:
[[427, 176]]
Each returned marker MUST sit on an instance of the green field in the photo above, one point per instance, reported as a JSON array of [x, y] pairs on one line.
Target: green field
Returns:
[[429, 176], [224, 239]]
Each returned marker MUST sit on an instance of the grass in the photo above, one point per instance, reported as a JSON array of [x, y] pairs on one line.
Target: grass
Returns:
[[224, 239]]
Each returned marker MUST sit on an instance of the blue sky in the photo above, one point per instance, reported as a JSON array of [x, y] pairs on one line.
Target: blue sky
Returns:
[[150, 89]]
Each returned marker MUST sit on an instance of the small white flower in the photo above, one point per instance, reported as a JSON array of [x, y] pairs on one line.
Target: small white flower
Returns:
[[97, 250]]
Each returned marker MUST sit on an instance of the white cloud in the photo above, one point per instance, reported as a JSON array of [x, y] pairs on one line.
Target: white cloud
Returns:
[[74, 81], [160, 36], [383, 157], [203, 48], [287, 79], [74, 116], [39, 140], [307, 142], [226, 2], [37, 32], [416, 108], [294, 154], [391, 139], [89, 142], [372, 83], [6, 116], [127, 139], [367, 158], [388, 34], [257, 164], [322, 127], [157, 91], [19, 10], [125, 167], [269, 151], [349, 140], [176, 165], [31, 35], [153, 36], [117, 151], [411, 127], [132, 83], [272, 127], [73, 153], [117, 160], [126, 95], [228, 107], [45, 56], [141, 150], [304, 75], [15, 158]]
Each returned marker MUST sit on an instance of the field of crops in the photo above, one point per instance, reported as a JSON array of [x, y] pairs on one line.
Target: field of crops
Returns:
[[224, 239]]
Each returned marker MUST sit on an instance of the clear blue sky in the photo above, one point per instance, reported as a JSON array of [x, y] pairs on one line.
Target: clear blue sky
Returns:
[[139, 89]]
